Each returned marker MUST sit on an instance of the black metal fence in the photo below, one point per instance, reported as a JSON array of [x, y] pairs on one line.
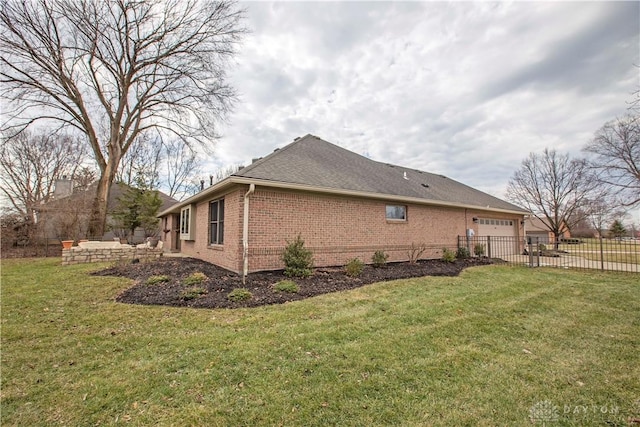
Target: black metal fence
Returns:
[[598, 254]]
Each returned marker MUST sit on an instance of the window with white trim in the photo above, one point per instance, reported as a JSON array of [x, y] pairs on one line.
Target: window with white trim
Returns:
[[396, 212], [187, 223], [216, 222]]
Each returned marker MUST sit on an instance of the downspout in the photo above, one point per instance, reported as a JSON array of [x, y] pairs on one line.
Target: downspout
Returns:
[[245, 233]]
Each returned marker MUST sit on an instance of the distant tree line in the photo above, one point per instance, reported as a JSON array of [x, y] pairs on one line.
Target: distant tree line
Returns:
[[31, 164], [589, 195]]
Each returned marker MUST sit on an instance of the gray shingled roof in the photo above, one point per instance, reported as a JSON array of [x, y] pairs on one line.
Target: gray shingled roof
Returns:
[[312, 161], [117, 190]]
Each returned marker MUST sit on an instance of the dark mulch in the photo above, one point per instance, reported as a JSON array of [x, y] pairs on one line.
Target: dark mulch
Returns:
[[220, 281]]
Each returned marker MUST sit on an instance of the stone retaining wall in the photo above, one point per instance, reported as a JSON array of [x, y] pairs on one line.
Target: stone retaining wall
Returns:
[[78, 255]]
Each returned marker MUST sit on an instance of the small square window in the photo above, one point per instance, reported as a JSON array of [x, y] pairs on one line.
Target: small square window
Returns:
[[396, 212]]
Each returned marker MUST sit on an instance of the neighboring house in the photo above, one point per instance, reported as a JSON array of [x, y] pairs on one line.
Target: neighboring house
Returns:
[[342, 204], [67, 216], [535, 227]]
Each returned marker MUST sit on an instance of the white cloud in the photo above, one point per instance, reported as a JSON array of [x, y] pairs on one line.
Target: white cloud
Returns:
[[464, 89]]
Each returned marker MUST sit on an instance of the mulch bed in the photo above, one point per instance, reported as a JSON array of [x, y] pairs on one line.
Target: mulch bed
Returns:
[[220, 282]]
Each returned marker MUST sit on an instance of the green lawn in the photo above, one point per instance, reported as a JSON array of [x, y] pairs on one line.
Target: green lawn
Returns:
[[480, 349], [624, 251]]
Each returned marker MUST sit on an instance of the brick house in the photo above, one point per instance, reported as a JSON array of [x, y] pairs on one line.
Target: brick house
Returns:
[[535, 227], [67, 215], [342, 204]]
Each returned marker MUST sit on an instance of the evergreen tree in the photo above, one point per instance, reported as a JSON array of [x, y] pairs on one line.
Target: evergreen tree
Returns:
[[617, 230], [137, 207], [149, 209]]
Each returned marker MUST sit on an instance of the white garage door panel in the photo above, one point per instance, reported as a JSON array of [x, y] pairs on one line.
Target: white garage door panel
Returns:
[[503, 236]]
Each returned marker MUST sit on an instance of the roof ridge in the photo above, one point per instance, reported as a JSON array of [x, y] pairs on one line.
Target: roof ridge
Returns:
[[273, 153], [315, 162]]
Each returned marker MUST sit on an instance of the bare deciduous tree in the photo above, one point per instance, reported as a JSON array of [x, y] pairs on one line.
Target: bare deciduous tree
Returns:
[[615, 151], [83, 178], [159, 162], [224, 172], [554, 188], [115, 69], [181, 166], [141, 162], [196, 184], [602, 212], [634, 104], [32, 163]]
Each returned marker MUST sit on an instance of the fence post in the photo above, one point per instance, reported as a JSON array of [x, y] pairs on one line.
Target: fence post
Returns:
[[530, 243], [489, 246], [537, 252], [601, 254]]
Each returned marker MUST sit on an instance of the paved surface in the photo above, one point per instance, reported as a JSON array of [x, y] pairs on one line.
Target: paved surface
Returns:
[[175, 255], [572, 261]]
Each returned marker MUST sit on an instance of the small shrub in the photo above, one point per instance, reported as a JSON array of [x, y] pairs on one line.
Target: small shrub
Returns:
[[155, 280], [542, 247], [194, 279], [415, 252], [448, 255], [298, 260], [379, 259], [121, 263], [239, 294], [479, 249], [192, 293], [354, 267], [462, 253], [288, 286]]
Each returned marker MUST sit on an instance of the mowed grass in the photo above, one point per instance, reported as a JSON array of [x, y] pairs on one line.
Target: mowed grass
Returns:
[[624, 251], [479, 349], [626, 258]]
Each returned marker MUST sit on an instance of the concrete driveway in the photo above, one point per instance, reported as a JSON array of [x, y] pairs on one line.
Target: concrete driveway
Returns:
[[572, 261]]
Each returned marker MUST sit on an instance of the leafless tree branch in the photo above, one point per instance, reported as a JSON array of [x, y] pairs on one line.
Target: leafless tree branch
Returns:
[[115, 69], [554, 188], [32, 163], [615, 154]]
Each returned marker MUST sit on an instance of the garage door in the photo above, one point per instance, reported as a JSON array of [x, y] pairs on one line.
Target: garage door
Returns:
[[543, 236], [499, 236]]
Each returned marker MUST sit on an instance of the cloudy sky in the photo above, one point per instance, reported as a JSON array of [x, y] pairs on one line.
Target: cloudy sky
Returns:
[[464, 89]]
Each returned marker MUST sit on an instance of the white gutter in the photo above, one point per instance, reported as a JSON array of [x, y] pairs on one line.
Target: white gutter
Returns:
[[245, 233]]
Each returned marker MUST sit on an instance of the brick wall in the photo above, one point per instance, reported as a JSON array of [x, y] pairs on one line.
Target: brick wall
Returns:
[[339, 228], [78, 255], [335, 228], [228, 255]]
